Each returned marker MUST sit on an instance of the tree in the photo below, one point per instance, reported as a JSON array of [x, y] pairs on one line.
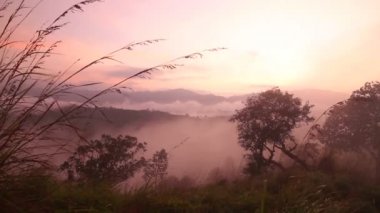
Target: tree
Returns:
[[28, 92], [156, 168], [109, 160], [265, 125], [354, 124]]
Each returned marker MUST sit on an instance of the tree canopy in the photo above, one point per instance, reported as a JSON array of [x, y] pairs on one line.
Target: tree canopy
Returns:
[[354, 125], [265, 125], [108, 159], [156, 168]]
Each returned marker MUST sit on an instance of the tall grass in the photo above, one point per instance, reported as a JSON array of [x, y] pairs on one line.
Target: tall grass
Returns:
[[295, 191], [28, 93]]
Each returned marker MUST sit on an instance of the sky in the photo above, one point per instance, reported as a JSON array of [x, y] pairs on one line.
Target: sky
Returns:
[[294, 44]]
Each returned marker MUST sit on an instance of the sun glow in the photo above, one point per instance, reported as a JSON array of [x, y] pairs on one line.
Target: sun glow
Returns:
[[283, 44], [275, 43]]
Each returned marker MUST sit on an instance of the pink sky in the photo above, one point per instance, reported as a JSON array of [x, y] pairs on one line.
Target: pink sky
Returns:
[[295, 44]]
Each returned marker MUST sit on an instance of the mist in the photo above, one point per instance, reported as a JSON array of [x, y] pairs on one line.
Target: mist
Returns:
[[195, 147], [199, 137]]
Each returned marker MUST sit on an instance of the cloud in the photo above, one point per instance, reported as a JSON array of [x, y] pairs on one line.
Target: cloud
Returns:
[[181, 101], [260, 87], [192, 108], [121, 71]]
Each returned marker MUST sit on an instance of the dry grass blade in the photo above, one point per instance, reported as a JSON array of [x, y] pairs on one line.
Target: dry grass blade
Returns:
[[28, 95], [72, 9]]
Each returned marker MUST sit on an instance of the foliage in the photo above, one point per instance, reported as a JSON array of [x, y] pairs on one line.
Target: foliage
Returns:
[[109, 160], [156, 168], [291, 191], [265, 125], [354, 124], [40, 192], [28, 93]]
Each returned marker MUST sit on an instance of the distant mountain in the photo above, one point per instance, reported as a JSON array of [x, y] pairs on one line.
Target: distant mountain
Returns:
[[182, 101], [159, 96], [170, 96], [91, 120]]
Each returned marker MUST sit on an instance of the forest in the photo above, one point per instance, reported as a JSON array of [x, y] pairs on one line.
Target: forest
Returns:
[[61, 150]]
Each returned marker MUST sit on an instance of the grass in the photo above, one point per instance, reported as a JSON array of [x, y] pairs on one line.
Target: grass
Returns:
[[26, 190], [29, 92], [293, 191]]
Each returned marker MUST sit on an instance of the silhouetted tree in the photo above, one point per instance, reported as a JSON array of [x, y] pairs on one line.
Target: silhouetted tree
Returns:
[[156, 168], [265, 125], [354, 124], [109, 160], [29, 93]]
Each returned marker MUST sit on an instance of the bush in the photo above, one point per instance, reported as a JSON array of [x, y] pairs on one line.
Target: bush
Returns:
[[108, 160]]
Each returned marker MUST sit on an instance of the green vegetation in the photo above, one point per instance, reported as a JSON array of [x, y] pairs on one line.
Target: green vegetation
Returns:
[[31, 113], [155, 169], [265, 126], [354, 125], [28, 93], [108, 160], [325, 187], [291, 191]]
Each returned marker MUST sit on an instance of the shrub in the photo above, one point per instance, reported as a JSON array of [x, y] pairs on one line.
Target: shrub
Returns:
[[109, 160]]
